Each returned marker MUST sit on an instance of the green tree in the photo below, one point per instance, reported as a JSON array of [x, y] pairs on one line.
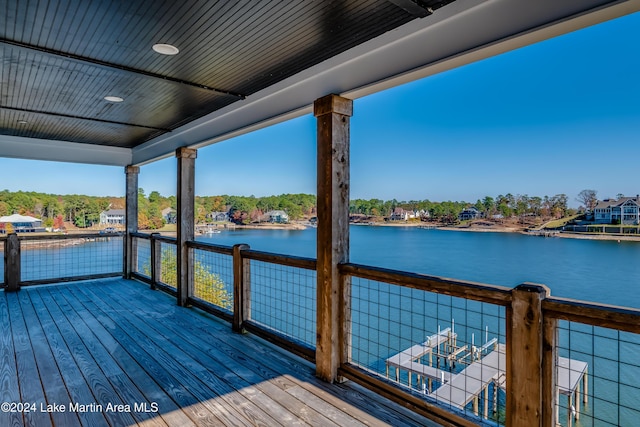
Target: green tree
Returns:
[[489, 206], [207, 285]]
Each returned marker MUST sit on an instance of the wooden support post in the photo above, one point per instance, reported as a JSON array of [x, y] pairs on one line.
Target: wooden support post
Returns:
[[131, 218], [525, 356], [241, 288], [185, 221], [156, 259], [12, 263], [333, 291]]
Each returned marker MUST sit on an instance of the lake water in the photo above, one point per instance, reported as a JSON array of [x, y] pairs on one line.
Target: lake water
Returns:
[[593, 270]]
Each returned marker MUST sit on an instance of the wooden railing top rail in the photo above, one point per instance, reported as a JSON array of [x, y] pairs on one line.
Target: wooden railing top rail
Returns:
[[595, 314], [159, 237], [287, 260], [29, 237], [141, 235], [211, 247], [491, 294]]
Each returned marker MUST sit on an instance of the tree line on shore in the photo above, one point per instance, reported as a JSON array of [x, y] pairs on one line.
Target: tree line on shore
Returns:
[[84, 211], [504, 206]]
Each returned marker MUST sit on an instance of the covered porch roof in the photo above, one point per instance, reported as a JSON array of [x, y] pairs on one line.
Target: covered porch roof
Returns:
[[240, 66]]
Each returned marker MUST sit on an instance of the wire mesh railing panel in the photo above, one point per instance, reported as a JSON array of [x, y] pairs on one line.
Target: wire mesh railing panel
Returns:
[[213, 278], [283, 299], [142, 253], [168, 264], [49, 259], [598, 376], [447, 350]]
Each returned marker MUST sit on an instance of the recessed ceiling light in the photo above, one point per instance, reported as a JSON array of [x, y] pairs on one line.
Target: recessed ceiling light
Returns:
[[22, 122], [165, 49], [113, 98]]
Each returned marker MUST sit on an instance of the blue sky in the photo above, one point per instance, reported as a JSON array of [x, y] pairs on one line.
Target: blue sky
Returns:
[[556, 117]]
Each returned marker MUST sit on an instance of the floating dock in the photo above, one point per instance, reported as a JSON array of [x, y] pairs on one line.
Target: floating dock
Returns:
[[484, 366]]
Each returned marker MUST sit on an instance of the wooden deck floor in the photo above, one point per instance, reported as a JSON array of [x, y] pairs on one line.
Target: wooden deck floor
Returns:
[[114, 353]]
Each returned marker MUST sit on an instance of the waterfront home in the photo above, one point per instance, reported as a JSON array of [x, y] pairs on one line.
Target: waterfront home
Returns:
[[399, 214], [112, 217], [218, 216], [20, 223], [625, 210], [277, 217], [129, 83], [469, 213], [169, 215]]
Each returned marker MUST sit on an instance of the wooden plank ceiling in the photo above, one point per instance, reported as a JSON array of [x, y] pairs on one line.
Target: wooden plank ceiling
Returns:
[[60, 58]]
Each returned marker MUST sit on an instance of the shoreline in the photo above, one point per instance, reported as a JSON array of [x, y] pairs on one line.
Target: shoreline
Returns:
[[519, 230], [560, 234]]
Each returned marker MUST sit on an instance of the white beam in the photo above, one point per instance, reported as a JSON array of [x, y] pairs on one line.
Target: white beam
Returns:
[[63, 151]]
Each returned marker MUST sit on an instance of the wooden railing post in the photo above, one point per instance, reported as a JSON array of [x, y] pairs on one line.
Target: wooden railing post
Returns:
[[241, 288], [333, 133], [12, 263], [525, 350], [156, 259]]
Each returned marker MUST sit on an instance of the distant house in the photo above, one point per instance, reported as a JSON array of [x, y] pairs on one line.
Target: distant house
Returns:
[[169, 215], [219, 216], [400, 214], [469, 213], [112, 217], [422, 214], [279, 217], [625, 210], [20, 224]]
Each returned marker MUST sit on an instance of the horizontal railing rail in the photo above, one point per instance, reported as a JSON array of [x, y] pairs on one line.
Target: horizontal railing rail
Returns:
[[603, 315], [491, 294], [31, 237], [210, 247], [155, 236], [287, 260]]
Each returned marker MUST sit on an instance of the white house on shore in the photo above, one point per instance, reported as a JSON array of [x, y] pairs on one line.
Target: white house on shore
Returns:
[[20, 224], [277, 216], [169, 215], [112, 217], [625, 210]]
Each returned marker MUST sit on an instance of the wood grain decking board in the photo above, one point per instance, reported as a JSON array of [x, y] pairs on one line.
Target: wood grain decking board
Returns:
[[117, 342]]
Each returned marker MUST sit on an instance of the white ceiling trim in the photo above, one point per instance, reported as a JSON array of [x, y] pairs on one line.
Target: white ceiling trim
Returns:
[[63, 151]]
